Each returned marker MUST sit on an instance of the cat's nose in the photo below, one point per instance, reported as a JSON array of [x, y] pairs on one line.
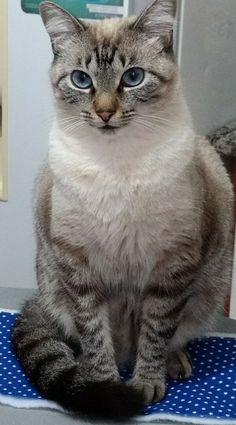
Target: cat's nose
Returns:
[[105, 115]]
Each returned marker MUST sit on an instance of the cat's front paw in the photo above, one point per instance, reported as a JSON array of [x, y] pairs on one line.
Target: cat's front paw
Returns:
[[153, 391]]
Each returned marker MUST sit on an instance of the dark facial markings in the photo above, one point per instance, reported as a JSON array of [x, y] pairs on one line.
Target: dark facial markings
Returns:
[[105, 55], [60, 79], [103, 60], [88, 61], [122, 59]]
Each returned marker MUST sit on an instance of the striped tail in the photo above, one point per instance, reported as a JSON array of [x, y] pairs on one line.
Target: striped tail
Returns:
[[50, 364]]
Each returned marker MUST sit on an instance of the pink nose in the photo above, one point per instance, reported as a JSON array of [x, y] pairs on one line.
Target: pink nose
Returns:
[[105, 115]]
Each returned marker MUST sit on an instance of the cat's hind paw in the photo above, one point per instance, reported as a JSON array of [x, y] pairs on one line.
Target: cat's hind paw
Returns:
[[179, 365]]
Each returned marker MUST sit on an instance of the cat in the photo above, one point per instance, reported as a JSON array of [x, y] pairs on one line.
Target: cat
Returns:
[[133, 220]]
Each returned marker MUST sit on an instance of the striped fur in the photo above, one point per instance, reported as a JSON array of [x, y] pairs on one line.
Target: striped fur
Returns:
[[133, 224]]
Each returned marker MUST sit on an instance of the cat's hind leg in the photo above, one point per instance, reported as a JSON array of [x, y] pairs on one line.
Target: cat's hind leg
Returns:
[[55, 368]]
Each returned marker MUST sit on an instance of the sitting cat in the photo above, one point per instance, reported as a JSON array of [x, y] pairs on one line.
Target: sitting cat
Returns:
[[133, 218]]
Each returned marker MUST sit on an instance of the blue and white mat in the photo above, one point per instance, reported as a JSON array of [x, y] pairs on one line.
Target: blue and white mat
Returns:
[[208, 397]]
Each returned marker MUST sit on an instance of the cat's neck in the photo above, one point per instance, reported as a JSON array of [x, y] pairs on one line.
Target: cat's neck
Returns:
[[132, 151]]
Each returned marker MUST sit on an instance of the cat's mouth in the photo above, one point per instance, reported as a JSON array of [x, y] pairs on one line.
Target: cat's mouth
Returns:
[[109, 128]]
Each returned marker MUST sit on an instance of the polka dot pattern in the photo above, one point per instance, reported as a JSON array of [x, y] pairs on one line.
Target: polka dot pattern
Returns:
[[13, 381], [210, 393]]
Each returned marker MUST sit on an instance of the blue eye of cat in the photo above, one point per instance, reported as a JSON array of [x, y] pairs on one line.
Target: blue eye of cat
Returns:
[[81, 80], [133, 77]]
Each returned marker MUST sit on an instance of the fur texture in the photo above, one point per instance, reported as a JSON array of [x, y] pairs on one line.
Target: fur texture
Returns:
[[133, 221]]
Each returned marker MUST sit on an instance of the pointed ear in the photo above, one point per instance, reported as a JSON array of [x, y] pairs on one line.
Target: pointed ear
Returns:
[[157, 21], [58, 22]]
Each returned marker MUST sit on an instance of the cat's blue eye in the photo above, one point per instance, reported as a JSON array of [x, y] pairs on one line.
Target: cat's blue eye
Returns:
[[133, 77], [81, 80]]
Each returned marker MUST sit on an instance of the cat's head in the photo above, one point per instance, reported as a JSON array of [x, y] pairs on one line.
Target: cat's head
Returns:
[[106, 73]]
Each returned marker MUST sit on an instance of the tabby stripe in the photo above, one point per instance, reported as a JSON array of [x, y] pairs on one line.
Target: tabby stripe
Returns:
[[60, 79], [86, 318], [175, 290], [36, 371], [88, 61], [97, 344], [122, 59], [91, 332], [170, 314], [96, 51], [97, 297], [185, 274], [83, 290], [167, 333], [173, 313], [155, 357], [149, 326], [151, 339], [19, 332], [72, 100], [91, 354], [31, 345], [147, 370], [110, 59]]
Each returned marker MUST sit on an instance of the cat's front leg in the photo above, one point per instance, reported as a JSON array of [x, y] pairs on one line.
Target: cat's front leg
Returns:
[[93, 327], [79, 307], [163, 304]]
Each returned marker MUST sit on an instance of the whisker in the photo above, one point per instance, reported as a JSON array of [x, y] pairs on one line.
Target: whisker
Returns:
[[156, 130], [73, 127], [164, 121]]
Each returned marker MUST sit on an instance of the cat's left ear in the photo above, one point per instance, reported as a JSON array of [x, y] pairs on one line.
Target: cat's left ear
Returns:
[[157, 21]]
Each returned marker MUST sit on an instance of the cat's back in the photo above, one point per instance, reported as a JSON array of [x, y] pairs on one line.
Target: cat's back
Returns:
[[216, 179]]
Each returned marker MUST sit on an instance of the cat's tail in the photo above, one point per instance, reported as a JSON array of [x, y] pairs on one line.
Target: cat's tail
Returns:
[[51, 367]]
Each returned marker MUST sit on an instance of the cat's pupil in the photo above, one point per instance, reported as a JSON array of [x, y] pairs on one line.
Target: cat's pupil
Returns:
[[133, 75]]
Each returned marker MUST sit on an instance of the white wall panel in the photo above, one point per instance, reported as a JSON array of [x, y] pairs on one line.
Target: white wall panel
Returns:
[[29, 116], [208, 61]]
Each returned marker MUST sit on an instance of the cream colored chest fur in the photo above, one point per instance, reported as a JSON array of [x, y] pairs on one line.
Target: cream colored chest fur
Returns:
[[125, 229], [129, 206]]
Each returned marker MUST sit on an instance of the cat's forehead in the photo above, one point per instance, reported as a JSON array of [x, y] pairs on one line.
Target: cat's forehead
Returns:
[[107, 48], [104, 48], [109, 44], [110, 29]]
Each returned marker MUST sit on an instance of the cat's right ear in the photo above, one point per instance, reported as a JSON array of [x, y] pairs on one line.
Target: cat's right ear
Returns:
[[58, 22]]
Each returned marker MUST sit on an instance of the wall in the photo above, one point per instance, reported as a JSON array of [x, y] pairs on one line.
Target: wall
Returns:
[[137, 6], [3, 99], [208, 61], [29, 116]]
